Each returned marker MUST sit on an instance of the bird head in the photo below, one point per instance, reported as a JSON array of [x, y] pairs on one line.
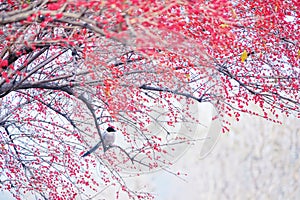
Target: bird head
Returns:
[[110, 129]]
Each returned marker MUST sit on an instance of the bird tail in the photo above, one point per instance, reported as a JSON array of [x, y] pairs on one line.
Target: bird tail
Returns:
[[92, 150]]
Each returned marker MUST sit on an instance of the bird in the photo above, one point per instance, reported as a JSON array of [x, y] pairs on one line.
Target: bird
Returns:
[[108, 138]]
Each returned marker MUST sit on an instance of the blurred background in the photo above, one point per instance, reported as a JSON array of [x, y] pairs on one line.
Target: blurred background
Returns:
[[257, 159]]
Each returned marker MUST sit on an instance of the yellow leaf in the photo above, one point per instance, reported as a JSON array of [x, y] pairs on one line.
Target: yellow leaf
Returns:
[[276, 7], [224, 25], [107, 93], [233, 13], [133, 21], [244, 56], [188, 76], [299, 53]]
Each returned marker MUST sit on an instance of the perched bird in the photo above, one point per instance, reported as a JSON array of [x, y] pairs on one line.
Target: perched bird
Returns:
[[108, 138]]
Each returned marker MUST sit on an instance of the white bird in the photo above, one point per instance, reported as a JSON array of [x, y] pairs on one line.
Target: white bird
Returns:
[[108, 138]]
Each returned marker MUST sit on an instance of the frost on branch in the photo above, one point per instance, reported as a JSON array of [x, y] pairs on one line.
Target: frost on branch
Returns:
[[70, 68]]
